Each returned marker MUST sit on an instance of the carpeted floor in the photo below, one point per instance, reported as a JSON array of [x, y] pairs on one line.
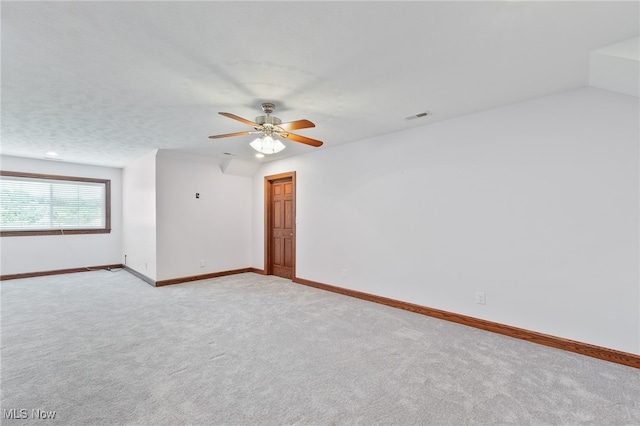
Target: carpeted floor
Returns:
[[103, 348]]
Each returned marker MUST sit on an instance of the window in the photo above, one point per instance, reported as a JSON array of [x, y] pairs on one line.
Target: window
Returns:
[[34, 204]]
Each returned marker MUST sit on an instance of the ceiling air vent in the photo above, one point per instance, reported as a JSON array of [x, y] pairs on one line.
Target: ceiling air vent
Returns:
[[420, 115]]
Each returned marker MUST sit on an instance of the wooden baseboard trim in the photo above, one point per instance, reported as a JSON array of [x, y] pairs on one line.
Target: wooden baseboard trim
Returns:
[[143, 277], [58, 272], [201, 277], [587, 349], [181, 280]]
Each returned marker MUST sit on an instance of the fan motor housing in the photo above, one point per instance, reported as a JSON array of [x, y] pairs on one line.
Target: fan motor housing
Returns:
[[268, 119]]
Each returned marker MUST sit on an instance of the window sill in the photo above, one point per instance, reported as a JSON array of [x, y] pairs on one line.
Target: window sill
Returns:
[[53, 232]]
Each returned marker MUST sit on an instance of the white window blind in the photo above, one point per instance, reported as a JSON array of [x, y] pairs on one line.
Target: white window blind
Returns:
[[34, 204]]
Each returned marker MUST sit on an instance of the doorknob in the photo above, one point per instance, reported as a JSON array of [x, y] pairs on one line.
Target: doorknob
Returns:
[[291, 234]]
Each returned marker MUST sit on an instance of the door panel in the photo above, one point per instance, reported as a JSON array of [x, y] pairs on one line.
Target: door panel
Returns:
[[278, 258], [288, 253], [277, 214], [288, 215]]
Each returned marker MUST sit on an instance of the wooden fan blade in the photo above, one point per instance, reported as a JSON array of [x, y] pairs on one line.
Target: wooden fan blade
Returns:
[[231, 134], [302, 139], [295, 125], [240, 119]]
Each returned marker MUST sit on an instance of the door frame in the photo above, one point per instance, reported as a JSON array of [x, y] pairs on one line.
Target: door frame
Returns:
[[268, 218]]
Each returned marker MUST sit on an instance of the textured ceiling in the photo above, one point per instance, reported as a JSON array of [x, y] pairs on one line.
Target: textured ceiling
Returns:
[[105, 82]]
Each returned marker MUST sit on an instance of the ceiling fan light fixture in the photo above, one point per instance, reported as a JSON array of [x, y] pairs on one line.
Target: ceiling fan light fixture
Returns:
[[269, 126], [267, 145]]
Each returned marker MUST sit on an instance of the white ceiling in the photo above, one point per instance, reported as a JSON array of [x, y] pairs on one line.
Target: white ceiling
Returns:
[[105, 82]]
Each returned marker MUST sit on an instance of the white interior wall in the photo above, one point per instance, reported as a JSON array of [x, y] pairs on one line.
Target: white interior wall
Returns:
[[616, 67], [215, 228], [139, 211], [53, 252], [535, 204]]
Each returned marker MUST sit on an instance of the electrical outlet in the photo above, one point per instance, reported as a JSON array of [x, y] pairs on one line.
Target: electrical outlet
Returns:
[[480, 299], [344, 273], [203, 263]]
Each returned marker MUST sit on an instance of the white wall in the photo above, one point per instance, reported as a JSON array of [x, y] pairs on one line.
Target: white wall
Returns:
[[215, 228], [616, 67], [535, 204], [53, 252], [139, 211]]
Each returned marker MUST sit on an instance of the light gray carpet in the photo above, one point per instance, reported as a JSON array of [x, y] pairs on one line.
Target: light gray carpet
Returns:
[[106, 348]]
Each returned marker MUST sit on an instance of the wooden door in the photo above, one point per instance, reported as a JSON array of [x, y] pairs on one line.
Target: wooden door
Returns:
[[280, 225], [282, 228]]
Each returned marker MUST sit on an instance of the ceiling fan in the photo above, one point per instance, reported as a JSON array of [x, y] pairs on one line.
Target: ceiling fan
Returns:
[[271, 128]]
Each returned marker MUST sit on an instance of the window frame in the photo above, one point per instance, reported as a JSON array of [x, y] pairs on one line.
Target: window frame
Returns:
[[107, 206]]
